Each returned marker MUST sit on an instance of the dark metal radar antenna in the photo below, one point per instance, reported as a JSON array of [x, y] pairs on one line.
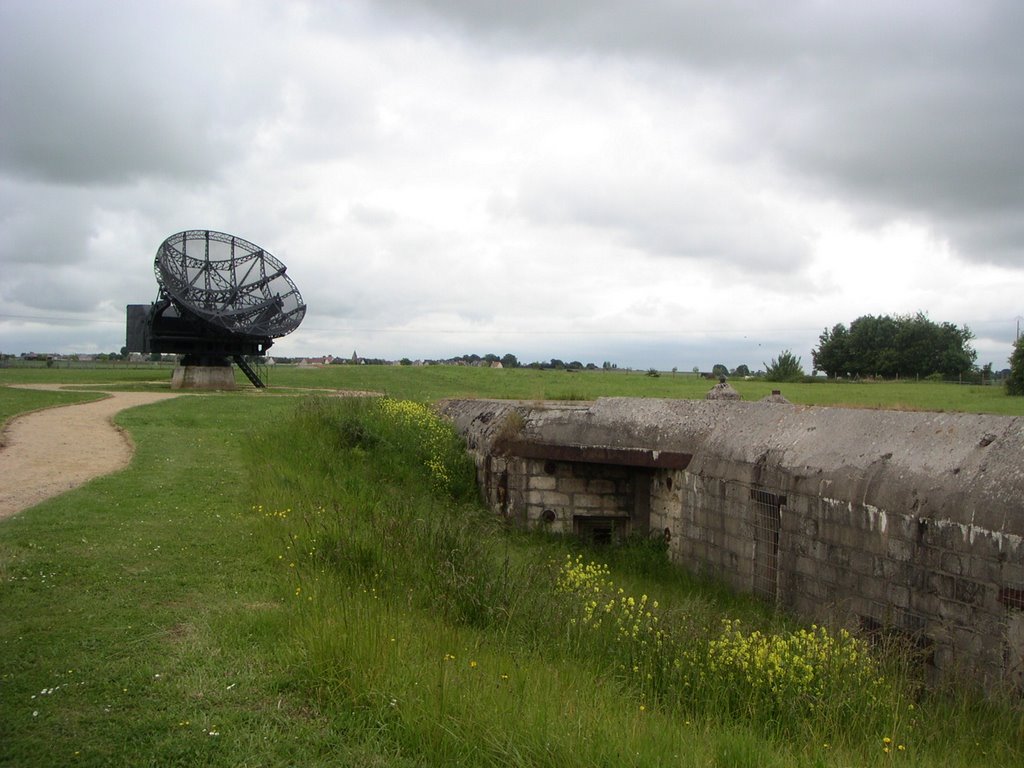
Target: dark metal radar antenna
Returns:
[[230, 283], [221, 298]]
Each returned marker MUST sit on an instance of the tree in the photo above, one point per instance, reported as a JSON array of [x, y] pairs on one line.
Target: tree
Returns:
[[741, 370], [833, 353], [956, 355], [1015, 381], [786, 367], [905, 345], [719, 370], [509, 361], [872, 347]]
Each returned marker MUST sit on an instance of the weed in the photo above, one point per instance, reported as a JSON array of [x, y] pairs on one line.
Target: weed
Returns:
[[510, 429]]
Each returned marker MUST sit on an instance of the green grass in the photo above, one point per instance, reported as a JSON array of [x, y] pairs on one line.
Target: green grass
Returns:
[[133, 604], [84, 373], [15, 401], [311, 582], [433, 382], [430, 383]]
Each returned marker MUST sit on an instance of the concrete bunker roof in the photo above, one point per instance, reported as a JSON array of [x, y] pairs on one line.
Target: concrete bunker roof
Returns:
[[964, 468]]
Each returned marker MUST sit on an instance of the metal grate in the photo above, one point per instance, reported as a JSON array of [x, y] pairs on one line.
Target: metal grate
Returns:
[[767, 509], [1012, 596], [600, 530]]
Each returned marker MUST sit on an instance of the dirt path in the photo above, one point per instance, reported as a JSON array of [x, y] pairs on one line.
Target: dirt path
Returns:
[[48, 452]]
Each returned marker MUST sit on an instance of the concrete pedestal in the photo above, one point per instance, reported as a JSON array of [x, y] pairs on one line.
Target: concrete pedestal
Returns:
[[203, 377]]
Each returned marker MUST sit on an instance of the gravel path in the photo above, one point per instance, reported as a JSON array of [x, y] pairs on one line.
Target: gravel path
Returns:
[[48, 452]]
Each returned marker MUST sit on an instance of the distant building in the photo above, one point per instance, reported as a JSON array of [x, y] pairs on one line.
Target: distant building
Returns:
[[317, 361]]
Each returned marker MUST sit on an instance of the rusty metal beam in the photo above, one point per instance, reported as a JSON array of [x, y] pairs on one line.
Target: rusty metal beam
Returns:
[[600, 454]]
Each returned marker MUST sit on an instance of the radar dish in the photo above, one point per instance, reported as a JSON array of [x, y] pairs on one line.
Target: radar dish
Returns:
[[221, 299], [229, 282]]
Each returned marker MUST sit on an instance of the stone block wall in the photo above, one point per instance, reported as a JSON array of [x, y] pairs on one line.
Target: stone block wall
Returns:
[[562, 496], [568, 496], [708, 524], [947, 588]]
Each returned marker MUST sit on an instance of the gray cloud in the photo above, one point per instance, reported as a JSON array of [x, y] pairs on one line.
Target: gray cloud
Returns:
[[111, 92], [43, 224], [911, 109], [683, 219]]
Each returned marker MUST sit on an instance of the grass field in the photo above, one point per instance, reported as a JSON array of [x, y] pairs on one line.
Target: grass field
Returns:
[[284, 580], [433, 382]]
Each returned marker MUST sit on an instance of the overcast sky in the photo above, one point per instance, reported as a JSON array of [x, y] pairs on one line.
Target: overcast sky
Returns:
[[667, 184]]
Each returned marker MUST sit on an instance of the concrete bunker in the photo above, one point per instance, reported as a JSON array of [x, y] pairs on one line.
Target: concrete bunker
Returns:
[[881, 521]]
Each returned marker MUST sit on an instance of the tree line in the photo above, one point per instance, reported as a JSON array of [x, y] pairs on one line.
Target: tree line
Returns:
[[511, 361], [904, 345]]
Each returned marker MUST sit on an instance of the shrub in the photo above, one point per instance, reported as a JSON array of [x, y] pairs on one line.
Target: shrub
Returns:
[[790, 676], [786, 367], [787, 680], [435, 444]]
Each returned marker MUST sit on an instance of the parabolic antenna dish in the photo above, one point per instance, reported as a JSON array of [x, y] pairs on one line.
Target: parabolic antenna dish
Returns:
[[229, 283]]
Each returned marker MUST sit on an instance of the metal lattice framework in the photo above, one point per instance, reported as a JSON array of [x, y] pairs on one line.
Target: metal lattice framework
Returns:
[[229, 283]]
